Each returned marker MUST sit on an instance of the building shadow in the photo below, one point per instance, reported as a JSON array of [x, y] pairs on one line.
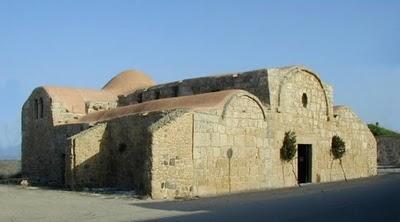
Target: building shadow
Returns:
[[121, 159], [360, 200]]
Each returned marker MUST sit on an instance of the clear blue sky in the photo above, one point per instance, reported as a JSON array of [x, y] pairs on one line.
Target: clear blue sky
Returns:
[[354, 45]]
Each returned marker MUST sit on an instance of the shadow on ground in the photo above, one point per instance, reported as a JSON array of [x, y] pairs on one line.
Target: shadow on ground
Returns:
[[373, 199]]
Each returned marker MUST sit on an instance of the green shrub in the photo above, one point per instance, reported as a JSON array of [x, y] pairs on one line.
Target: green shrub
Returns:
[[338, 147], [288, 150]]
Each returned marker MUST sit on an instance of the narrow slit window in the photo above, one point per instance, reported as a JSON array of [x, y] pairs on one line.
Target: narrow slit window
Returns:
[[122, 147], [41, 107], [176, 91], [158, 94], [36, 109], [140, 98]]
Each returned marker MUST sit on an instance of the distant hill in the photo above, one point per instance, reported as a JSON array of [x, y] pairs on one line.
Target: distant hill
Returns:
[[381, 131], [10, 153]]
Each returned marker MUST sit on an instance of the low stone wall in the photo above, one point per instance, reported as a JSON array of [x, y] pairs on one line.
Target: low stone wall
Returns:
[[388, 150]]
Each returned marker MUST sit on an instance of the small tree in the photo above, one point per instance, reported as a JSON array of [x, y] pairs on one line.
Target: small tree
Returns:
[[338, 150], [338, 147], [288, 150]]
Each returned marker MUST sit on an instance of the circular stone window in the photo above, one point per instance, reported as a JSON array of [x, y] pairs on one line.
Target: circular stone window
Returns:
[[304, 100]]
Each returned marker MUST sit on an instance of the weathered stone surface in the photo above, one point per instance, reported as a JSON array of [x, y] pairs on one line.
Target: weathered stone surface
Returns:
[[231, 146], [255, 82], [388, 150]]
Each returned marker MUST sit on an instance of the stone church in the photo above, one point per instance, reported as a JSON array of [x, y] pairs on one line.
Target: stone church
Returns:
[[196, 137]]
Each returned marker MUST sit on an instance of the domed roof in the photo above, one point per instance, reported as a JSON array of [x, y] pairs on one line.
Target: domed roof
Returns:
[[128, 81]]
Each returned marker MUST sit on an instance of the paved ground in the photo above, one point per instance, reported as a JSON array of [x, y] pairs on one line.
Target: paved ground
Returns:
[[373, 199]]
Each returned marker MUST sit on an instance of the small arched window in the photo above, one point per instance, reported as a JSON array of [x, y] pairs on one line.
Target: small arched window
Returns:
[[304, 100]]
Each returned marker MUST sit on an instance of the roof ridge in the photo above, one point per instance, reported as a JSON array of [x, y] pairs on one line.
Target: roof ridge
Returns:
[[204, 100]]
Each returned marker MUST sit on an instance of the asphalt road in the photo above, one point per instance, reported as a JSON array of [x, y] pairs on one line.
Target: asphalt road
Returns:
[[371, 199]]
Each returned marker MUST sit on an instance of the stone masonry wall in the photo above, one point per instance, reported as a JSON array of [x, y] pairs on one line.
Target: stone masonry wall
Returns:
[[61, 144], [96, 106], [312, 126], [62, 115], [255, 82], [237, 148], [388, 150], [230, 148], [129, 151], [290, 79], [38, 150], [172, 152], [182, 153], [43, 141], [360, 159], [113, 154], [85, 164], [308, 121]]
